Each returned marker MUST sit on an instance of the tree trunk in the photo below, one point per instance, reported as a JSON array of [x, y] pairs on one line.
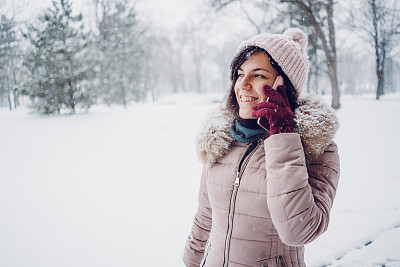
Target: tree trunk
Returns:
[[378, 55], [9, 92], [71, 96], [9, 101], [380, 51], [379, 89], [16, 98], [330, 54], [15, 90], [332, 62], [380, 70], [328, 43], [335, 86], [124, 94], [124, 101]]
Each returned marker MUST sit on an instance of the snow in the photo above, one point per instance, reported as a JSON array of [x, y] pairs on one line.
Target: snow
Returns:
[[368, 202], [118, 187], [384, 251]]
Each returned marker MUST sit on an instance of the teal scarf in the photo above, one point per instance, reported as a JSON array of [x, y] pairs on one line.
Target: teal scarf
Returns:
[[244, 134]]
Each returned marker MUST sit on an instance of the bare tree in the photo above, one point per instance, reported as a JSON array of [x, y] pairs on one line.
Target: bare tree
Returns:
[[190, 52], [380, 21], [298, 19], [319, 13], [262, 15], [9, 50]]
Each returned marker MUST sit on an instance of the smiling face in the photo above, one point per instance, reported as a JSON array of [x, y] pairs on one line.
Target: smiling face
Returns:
[[253, 75]]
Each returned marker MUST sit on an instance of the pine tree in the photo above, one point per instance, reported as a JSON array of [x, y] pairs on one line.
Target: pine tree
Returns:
[[56, 61], [122, 50]]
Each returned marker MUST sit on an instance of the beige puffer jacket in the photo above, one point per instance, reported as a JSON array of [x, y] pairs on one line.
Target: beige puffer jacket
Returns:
[[260, 203]]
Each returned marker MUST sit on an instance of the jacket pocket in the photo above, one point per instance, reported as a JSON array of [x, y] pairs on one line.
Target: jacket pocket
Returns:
[[206, 251], [272, 262]]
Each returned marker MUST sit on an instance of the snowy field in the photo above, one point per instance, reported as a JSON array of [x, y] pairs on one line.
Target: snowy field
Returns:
[[119, 188]]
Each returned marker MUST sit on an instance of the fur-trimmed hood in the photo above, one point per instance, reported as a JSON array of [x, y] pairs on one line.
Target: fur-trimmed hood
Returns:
[[315, 121]]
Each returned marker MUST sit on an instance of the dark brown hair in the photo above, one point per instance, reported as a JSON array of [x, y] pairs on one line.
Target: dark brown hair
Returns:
[[231, 102]]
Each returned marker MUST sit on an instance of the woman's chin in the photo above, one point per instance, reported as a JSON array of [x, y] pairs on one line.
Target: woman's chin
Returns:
[[246, 116], [246, 111]]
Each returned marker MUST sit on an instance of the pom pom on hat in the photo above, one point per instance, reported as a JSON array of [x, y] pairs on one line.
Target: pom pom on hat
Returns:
[[299, 37], [289, 50]]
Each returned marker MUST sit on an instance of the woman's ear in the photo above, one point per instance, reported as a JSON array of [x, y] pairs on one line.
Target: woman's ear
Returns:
[[278, 82]]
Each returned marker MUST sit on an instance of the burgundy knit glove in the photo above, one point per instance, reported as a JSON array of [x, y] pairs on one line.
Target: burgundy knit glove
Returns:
[[276, 110]]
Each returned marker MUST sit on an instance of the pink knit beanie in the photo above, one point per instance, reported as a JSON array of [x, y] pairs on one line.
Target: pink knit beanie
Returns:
[[289, 50]]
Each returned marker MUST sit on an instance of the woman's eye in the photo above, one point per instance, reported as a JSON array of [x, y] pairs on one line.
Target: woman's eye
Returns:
[[259, 76], [240, 75]]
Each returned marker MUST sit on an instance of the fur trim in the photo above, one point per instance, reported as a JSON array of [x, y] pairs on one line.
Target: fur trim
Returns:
[[315, 121], [214, 139]]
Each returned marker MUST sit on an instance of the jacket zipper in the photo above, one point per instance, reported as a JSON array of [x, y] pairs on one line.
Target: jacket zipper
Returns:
[[242, 165], [281, 262]]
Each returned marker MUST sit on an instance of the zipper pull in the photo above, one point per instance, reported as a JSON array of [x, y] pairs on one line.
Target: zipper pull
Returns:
[[237, 178]]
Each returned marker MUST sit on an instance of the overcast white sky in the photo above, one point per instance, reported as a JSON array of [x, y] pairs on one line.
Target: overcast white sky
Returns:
[[164, 12]]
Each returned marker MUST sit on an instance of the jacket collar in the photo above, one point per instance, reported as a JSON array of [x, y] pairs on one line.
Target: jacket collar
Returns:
[[315, 121]]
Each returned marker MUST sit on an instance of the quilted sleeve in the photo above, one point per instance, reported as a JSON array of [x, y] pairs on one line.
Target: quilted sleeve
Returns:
[[196, 242], [299, 194]]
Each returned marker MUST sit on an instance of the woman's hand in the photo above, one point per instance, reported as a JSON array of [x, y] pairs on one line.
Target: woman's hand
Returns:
[[276, 109]]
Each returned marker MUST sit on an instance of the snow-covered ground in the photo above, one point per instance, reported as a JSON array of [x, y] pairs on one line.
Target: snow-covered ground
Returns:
[[119, 187]]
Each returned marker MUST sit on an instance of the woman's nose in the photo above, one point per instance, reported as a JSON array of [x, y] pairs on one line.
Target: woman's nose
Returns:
[[244, 83]]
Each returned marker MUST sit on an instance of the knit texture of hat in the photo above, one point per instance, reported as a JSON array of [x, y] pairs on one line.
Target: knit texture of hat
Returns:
[[288, 50]]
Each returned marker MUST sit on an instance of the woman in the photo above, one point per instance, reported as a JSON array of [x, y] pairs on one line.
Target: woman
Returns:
[[265, 193]]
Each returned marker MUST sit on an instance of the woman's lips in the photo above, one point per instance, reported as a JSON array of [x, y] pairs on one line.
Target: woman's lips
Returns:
[[245, 99]]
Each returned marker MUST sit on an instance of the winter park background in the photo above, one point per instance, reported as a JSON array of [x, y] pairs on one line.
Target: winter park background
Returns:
[[118, 186]]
